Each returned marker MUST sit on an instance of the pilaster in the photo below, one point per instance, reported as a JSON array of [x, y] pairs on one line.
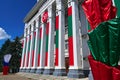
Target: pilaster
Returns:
[[60, 27], [49, 62], [31, 48], [42, 43], [35, 51], [23, 52], [27, 49], [75, 46]]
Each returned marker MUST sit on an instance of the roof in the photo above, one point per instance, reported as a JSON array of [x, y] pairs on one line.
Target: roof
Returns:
[[34, 10]]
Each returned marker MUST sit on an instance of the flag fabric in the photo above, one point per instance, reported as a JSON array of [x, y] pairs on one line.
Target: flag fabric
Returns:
[[107, 41], [104, 38], [104, 42], [117, 4], [98, 11], [7, 58]]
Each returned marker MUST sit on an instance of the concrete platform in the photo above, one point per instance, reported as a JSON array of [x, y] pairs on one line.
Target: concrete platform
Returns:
[[46, 77]]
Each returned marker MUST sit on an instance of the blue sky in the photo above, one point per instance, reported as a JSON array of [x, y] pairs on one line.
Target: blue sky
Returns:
[[12, 13]]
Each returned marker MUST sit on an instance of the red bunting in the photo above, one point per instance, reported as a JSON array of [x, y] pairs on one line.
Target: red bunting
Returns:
[[98, 11]]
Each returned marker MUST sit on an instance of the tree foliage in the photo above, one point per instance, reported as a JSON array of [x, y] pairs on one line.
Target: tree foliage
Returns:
[[15, 49]]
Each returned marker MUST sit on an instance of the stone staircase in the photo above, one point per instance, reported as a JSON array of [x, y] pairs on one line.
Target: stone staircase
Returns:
[[46, 77]]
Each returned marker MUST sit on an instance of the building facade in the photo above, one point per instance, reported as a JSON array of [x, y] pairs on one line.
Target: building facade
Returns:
[[55, 39]]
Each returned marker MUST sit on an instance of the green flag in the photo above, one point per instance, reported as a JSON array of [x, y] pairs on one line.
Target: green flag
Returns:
[[104, 42]]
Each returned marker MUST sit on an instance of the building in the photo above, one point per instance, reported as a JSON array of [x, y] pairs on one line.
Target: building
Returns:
[[55, 39]]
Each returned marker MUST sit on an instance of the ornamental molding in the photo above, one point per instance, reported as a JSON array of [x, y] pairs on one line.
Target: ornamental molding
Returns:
[[41, 10]]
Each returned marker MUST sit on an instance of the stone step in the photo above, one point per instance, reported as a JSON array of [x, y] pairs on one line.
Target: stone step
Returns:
[[46, 77]]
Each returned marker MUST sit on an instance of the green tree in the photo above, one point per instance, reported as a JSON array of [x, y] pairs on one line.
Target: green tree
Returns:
[[15, 49], [3, 51], [16, 52]]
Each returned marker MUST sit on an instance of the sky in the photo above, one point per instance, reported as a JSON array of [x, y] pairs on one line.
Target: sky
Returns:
[[12, 13]]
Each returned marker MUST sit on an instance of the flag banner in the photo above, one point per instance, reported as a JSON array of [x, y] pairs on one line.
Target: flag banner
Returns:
[[117, 4], [102, 71], [5, 70], [94, 68], [47, 42], [116, 74], [104, 42], [98, 11], [7, 58]]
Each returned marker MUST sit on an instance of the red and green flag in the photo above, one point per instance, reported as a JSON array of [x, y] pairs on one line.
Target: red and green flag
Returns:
[[33, 49], [70, 36], [98, 11], [47, 38], [28, 55], [40, 37], [104, 38], [24, 52], [117, 5], [56, 40]]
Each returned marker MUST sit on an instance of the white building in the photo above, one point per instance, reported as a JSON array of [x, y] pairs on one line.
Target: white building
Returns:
[[55, 39]]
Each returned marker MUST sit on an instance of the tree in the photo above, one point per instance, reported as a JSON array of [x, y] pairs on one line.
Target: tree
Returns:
[[3, 51], [16, 51]]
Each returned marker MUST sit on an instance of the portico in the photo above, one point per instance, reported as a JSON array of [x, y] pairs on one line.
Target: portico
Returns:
[[44, 49]]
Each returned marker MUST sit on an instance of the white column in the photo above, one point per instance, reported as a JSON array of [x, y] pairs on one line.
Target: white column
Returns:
[[85, 49], [50, 56], [34, 67], [60, 36], [75, 46], [31, 47], [42, 46], [26, 53], [23, 51]]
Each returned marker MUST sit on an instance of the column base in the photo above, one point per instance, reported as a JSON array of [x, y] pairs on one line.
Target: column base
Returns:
[[20, 70], [86, 73], [60, 72], [23, 70], [39, 71], [33, 70], [48, 71], [76, 73], [28, 70], [90, 75]]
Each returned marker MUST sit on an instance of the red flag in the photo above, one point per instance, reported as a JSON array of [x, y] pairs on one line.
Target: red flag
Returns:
[[98, 11]]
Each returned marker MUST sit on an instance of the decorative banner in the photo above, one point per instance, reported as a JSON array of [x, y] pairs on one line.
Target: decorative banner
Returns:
[[28, 55], [96, 14], [33, 50], [70, 36], [57, 38], [45, 17], [40, 37], [47, 38], [24, 52]]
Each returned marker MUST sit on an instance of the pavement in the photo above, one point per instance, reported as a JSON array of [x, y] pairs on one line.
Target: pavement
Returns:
[[13, 77], [32, 76]]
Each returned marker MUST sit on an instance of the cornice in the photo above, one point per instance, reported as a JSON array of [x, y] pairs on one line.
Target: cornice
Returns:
[[34, 10]]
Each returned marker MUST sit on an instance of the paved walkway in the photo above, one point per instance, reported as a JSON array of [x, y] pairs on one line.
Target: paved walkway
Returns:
[[13, 77], [30, 76], [46, 77]]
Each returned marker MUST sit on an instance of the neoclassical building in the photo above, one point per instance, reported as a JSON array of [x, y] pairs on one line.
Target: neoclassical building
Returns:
[[55, 39]]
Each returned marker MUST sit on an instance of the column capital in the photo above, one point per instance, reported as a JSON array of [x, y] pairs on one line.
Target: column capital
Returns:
[[50, 11], [69, 2], [59, 7], [28, 30], [32, 26], [37, 23], [24, 33]]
